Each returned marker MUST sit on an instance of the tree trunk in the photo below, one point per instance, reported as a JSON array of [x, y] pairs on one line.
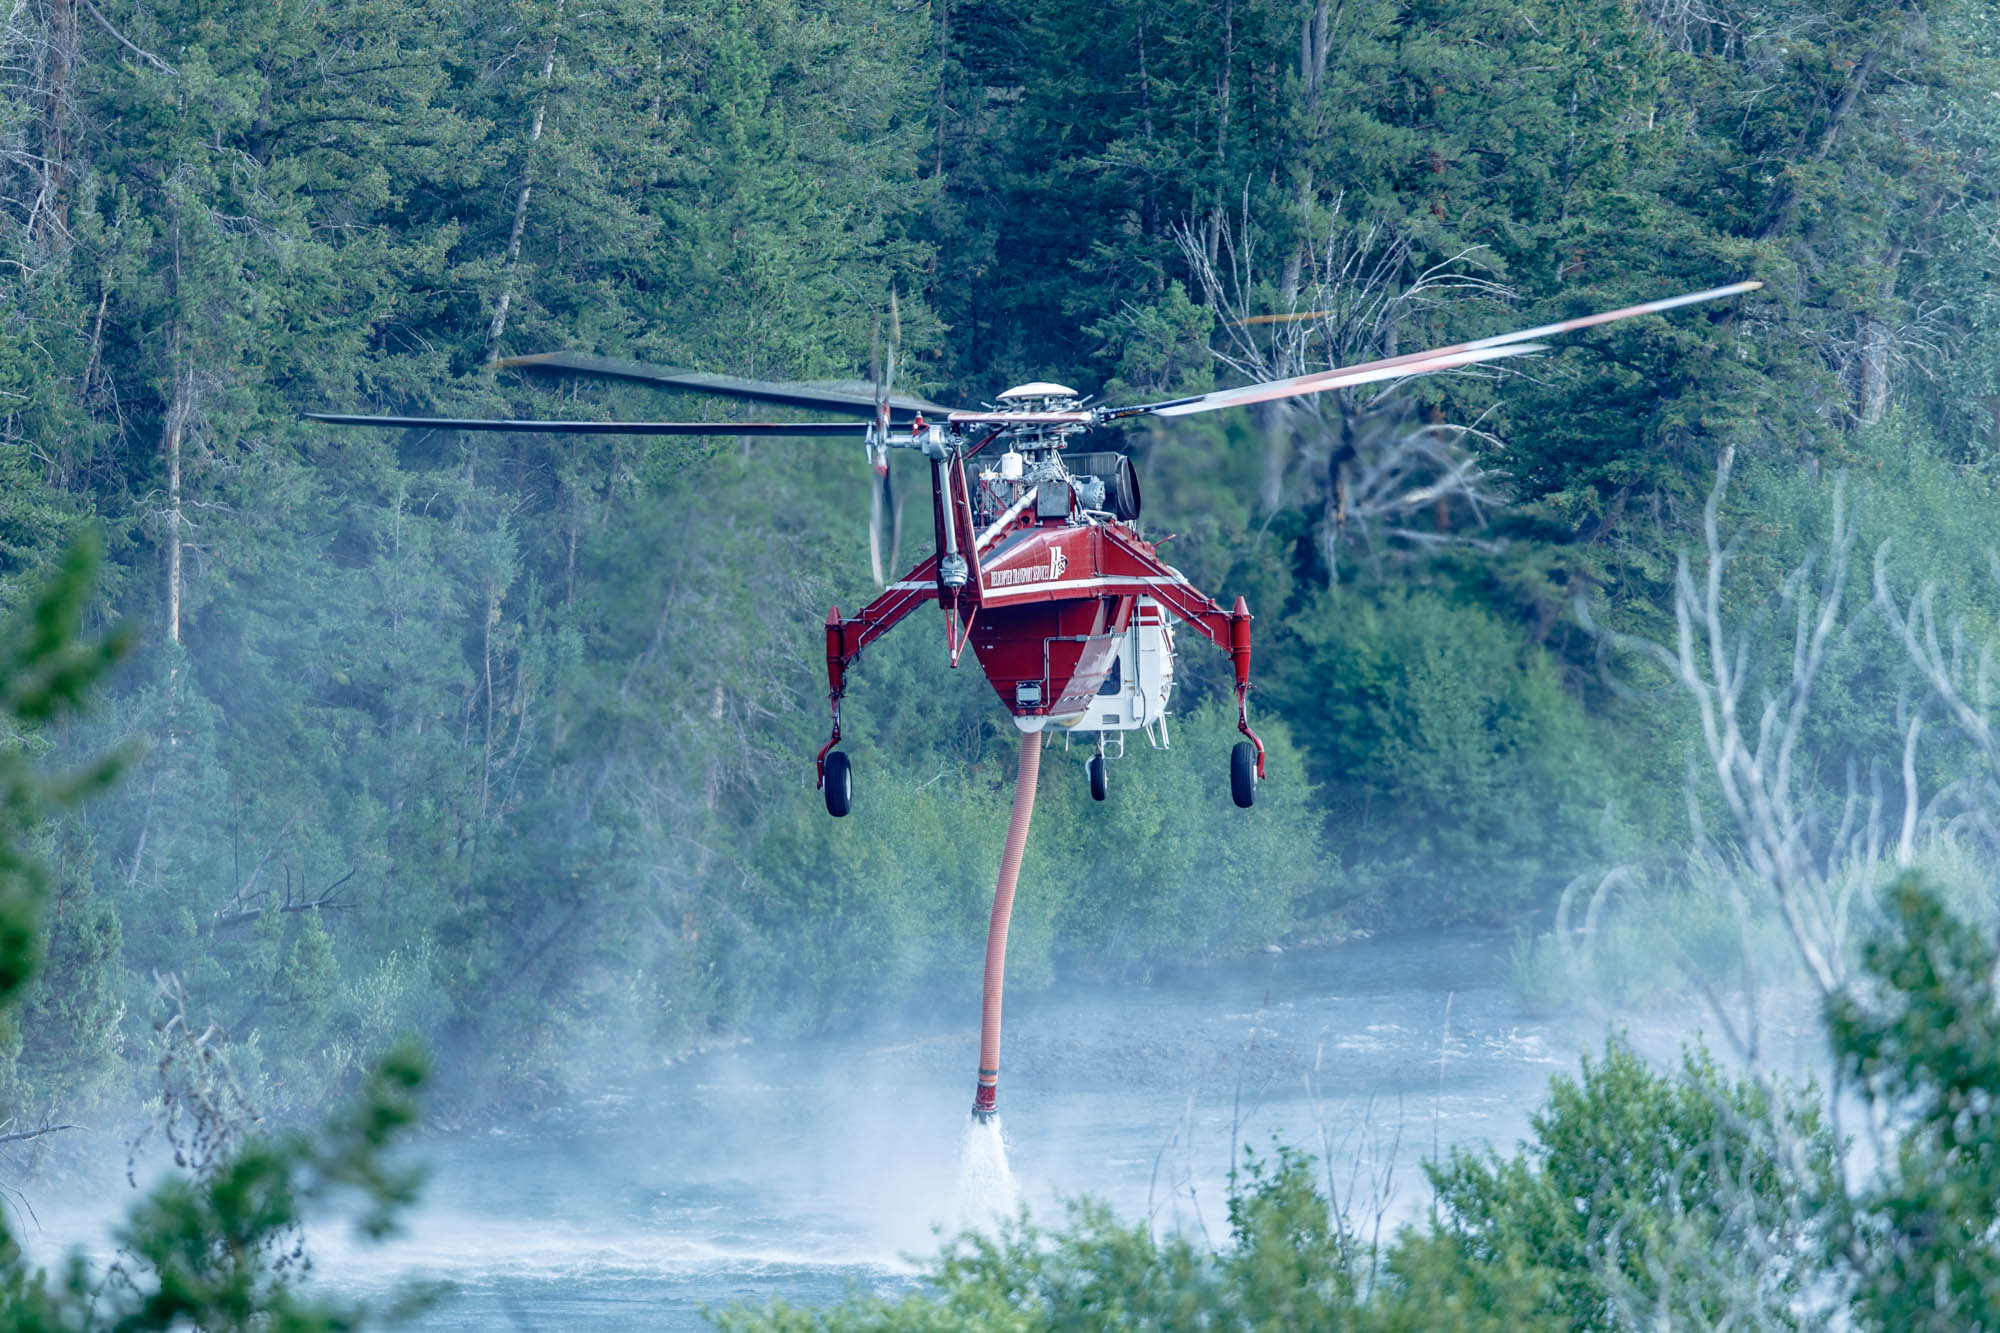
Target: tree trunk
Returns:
[[1875, 346], [50, 221], [1874, 395], [1149, 207], [174, 533], [944, 54], [1277, 455], [1312, 72], [493, 595], [176, 428], [513, 258], [1222, 125], [711, 791]]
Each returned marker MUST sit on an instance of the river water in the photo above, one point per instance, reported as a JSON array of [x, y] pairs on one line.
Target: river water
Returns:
[[805, 1172]]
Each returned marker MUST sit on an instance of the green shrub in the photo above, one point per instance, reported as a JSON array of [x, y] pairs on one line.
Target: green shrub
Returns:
[[1459, 776]]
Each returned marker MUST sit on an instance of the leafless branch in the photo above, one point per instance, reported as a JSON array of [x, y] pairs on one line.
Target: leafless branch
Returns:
[[203, 1112], [1959, 672], [246, 891], [126, 42], [324, 902], [1345, 297], [22, 1135], [1754, 751]]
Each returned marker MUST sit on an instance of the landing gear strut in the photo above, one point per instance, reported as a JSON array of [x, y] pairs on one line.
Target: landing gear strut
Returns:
[[1246, 761], [835, 770]]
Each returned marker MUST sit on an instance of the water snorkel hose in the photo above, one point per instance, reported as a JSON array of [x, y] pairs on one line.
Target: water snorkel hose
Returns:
[[986, 1096]]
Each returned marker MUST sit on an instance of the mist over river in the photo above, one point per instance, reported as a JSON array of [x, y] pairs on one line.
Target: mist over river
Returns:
[[804, 1171]]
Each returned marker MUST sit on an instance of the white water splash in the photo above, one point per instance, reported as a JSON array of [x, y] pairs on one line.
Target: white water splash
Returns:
[[987, 1193]]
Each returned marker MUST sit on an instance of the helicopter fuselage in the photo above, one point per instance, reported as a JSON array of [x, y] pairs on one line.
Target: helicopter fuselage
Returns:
[[1042, 570]]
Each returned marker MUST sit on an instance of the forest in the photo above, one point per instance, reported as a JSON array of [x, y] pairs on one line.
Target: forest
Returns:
[[505, 742], [532, 721]]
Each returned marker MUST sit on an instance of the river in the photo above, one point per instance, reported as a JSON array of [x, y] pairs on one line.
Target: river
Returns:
[[804, 1171]]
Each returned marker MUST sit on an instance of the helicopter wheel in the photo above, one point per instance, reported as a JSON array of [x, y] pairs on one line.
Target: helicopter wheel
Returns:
[[1243, 774], [839, 784], [1096, 768]]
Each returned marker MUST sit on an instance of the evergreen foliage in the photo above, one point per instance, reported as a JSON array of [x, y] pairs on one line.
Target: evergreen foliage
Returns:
[[1922, 1044], [214, 1249], [502, 741]]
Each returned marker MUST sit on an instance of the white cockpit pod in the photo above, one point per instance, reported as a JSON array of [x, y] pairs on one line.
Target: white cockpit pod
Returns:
[[1151, 635], [1135, 691]]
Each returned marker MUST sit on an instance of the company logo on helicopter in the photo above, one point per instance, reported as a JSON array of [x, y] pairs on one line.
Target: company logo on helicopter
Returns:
[[1007, 578]]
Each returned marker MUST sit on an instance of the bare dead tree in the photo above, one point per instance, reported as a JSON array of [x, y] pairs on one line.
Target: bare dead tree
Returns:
[[241, 910], [1694, 26], [205, 1119], [203, 1113], [1574, 944], [1344, 296], [32, 86], [1814, 858], [1959, 670], [54, 91], [1355, 289], [1811, 874], [10, 1136], [1880, 351], [248, 900], [1750, 1283]]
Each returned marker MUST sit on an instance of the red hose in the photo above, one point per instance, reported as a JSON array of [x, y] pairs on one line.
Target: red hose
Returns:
[[986, 1096]]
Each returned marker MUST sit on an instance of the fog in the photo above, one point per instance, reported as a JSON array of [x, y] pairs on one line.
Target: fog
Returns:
[[806, 1171]]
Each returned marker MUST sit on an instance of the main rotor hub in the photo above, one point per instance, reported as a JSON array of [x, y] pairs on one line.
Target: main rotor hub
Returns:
[[1039, 439], [1042, 396]]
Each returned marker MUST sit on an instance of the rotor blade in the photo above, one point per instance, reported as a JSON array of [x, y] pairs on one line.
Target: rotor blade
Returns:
[[834, 396], [1608, 316], [850, 429], [1302, 385], [895, 527], [881, 388], [1001, 417], [895, 343], [1333, 379], [875, 507]]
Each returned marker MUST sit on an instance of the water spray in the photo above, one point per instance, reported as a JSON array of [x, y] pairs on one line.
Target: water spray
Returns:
[[986, 1094]]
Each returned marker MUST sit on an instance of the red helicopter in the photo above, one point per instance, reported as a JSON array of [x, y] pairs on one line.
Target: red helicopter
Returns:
[[1039, 563]]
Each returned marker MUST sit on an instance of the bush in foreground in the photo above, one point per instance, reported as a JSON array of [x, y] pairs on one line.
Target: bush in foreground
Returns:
[[215, 1250], [1690, 1198]]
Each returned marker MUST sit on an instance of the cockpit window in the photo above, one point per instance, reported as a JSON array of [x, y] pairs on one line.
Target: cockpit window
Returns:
[[1115, 681]]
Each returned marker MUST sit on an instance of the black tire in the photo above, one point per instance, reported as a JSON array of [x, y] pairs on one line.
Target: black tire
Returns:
[[1243, 774], [1096, 768], [839, 784]]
